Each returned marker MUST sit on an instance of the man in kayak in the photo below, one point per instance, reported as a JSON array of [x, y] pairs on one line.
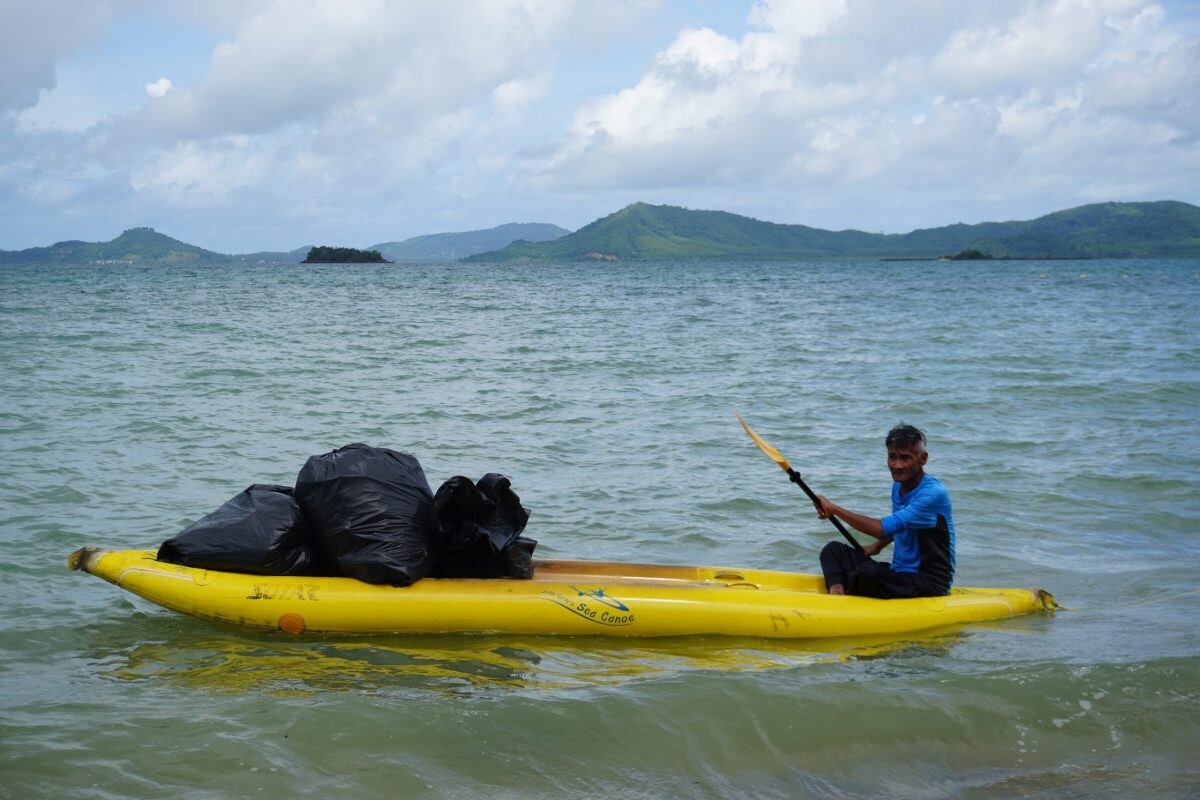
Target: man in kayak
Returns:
[[920, 525]]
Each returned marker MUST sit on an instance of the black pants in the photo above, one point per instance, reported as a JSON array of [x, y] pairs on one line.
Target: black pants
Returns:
[[843, 564]]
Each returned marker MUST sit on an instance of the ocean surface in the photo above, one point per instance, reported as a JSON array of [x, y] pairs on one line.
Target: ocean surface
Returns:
[[1062, 405]]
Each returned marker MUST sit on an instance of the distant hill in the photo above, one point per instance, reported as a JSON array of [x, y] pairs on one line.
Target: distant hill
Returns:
[[454, 246], [642, 232], [147, 246], [134, 246], [296, 256]]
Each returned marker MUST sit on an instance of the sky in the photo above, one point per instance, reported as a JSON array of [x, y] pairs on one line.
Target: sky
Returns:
[[270, 125]]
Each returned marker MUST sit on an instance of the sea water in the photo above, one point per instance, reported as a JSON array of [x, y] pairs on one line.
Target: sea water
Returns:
[[1062, 405]]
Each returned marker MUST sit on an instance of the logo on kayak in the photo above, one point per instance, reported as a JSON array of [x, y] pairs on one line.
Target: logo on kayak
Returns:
[[275, 591], [593, 605]]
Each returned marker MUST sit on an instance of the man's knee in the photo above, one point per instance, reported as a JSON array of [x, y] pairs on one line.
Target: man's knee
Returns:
[[838, 550]]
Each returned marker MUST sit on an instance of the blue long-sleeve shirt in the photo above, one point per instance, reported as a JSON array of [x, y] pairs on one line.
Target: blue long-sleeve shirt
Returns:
[[922, 530]]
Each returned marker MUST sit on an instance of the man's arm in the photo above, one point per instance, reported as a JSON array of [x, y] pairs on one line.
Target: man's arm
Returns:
[[874, 548], [860, 522]]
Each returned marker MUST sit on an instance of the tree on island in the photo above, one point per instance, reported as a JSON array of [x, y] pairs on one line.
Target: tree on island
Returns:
[[970, 255], [344, 255]]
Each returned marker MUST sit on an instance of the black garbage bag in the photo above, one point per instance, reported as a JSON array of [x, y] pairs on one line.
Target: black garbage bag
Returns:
[[371, 512], [479, 527], [518, 558], [260, 531]]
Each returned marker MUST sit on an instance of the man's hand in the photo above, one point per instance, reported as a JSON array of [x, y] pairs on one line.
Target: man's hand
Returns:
[[825, 509], [860, 522]]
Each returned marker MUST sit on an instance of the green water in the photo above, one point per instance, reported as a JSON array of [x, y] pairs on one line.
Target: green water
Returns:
[[1062, 403]]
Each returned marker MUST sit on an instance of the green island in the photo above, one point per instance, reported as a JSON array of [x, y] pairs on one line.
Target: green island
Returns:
[[343, 255], [135, 246], [969, 255]]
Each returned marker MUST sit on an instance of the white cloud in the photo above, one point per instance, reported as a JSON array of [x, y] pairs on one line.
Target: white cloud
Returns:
[[1045, 43], [192, 175], [1030, 116], [798, 21], [512, 99], [34, 36], [349, 100], [159, 87], [964, 98], [393, 62]]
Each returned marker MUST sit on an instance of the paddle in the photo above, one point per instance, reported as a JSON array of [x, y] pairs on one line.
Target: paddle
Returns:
[[778, 458]]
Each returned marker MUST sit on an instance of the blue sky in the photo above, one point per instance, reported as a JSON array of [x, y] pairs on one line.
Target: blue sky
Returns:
[[271, 125]]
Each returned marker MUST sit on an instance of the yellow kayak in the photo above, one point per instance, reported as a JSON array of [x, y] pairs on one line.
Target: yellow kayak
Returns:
[[571, 598]]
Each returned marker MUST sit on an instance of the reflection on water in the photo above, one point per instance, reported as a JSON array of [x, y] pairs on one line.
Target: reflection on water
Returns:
[[236, 662]]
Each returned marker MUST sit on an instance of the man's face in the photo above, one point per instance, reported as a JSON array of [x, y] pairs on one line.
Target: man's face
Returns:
[[906, 464]]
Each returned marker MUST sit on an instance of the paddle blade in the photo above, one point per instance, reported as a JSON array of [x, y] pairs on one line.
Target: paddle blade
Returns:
[[766, 448]]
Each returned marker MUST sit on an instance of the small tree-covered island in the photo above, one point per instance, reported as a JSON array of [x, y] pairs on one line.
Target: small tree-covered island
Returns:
[[344, 255], [969, 255]]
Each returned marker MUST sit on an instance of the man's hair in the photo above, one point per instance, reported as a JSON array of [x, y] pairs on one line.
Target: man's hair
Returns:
[[905, 437]]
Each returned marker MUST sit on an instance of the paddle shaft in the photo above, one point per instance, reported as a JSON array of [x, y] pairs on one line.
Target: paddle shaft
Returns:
[[778, 458], [837, 523]]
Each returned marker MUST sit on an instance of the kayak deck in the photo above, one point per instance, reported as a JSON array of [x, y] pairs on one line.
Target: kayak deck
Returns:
[[564, 597]]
